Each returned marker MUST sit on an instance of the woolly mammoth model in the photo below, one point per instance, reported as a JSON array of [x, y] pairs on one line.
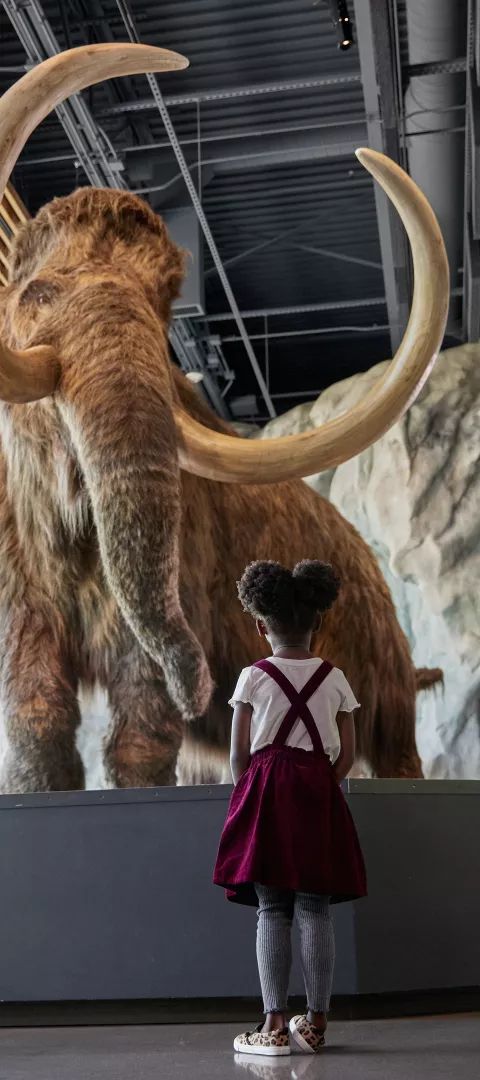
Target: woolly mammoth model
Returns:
[[117, 567]]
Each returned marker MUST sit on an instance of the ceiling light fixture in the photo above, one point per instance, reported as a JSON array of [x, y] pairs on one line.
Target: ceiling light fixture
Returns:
[[342, 24]]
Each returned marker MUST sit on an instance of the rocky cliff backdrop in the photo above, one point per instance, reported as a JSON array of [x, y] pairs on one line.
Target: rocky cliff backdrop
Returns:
[[415, 497]]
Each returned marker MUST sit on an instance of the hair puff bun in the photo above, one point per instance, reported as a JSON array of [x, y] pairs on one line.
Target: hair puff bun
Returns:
[[317, 584], [288, 598]]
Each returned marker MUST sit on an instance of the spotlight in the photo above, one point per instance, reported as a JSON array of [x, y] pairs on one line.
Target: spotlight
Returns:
[[342, 24]]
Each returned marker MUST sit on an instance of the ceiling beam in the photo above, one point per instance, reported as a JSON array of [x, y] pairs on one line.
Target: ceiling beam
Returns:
[[287, 149], [299, 309], [227, 138], [234, 156], [233, 93], [379, 78], [315, 331]]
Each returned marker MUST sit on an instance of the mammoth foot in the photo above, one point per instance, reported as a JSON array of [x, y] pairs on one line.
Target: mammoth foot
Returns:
[[200, 764]]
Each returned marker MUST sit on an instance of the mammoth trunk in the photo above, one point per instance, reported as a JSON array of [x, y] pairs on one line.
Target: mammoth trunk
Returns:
[[137, 514], [117, 408]]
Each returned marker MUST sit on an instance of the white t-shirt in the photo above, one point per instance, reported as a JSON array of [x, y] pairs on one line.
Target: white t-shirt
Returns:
[[270, 705]]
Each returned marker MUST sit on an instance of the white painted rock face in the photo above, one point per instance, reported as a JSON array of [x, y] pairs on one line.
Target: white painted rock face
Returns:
[[415, 497]]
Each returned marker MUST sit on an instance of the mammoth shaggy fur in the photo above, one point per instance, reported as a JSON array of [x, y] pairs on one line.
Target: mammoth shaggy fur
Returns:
[[117, 569]]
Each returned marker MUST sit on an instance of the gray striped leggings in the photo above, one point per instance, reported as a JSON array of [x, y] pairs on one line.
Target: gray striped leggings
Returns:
[[276, 909]]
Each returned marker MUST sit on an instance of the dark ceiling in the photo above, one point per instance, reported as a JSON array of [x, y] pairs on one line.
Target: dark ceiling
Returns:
[[272, 110]]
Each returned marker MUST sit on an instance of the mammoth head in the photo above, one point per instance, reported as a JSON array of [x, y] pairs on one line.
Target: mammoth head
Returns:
[[91, 240], [33, 373]]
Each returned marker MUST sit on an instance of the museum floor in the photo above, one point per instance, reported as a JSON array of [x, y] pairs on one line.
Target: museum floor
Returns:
[[425, 1048]]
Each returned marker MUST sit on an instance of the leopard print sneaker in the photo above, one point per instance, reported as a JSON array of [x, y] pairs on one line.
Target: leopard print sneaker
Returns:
[[271, 1043], [307, 1037]]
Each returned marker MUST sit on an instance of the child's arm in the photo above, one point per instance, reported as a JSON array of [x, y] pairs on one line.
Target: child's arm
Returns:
[[240, 743], [346, 757]]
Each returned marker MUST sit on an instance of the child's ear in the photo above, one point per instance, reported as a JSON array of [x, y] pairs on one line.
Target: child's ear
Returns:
[[261, 628], [318, 622]]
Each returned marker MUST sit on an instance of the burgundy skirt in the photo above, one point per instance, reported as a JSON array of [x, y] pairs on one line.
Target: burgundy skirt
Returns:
[[288, 826]]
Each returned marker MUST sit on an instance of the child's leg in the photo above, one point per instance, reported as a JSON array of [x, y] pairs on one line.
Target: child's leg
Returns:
[[317, 944], [274, 952]]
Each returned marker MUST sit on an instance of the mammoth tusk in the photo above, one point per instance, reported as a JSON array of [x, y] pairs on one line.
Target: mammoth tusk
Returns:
[[223, 457], [31, 99], [27, 375], [33, 374]]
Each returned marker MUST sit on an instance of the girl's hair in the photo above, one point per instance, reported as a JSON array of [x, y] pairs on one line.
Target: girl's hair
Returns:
[[288, 599]]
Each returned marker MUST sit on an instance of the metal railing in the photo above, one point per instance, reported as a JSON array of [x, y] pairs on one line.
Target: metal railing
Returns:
[[13, 214]]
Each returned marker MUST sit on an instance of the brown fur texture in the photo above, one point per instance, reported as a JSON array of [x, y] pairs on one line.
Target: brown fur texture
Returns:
[[427, 678], [113, 565]]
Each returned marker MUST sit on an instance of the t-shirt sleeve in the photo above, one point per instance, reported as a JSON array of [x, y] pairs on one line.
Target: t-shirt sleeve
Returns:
[[243, 689], [348, 701]]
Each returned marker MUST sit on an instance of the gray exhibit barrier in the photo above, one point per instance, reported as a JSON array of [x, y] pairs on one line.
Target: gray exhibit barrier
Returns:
[[108, 895]]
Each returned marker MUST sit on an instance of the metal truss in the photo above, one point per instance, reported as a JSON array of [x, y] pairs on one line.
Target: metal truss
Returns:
[[203, 356], [157, 96], [93, 150]]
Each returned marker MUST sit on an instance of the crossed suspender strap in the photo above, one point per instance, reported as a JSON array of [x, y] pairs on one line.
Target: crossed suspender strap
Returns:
[[298, 701]]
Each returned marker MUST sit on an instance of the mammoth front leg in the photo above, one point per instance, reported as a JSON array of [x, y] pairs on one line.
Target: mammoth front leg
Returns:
[[40, 710], [146, 734]]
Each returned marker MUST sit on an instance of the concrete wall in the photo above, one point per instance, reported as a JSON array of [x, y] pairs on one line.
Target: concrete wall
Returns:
[[108, 895]]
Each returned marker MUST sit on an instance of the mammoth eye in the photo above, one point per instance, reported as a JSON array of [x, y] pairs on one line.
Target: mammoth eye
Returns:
[[39, 292]]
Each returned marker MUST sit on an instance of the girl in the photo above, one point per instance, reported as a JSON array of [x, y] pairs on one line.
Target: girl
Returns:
[[289, 844]]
